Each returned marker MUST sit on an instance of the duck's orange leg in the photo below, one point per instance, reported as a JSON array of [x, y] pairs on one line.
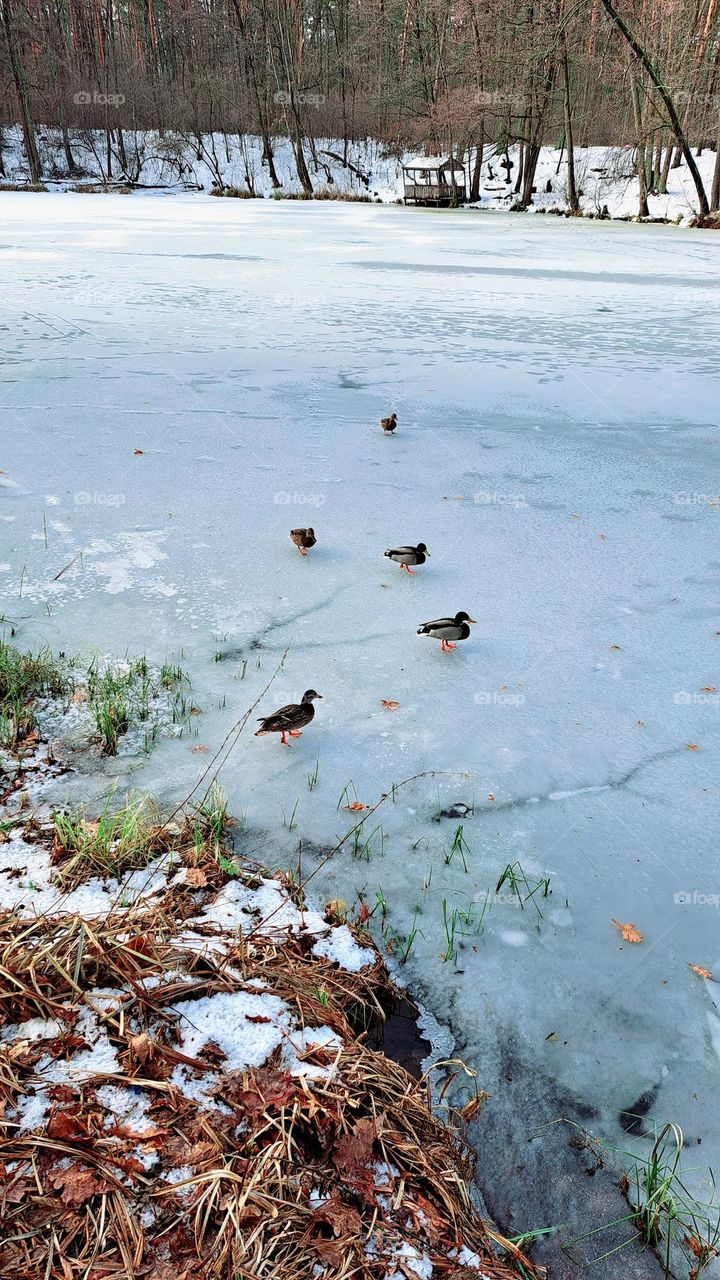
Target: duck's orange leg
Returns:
[[302, 551], [283, 740], [446, 647], [408, 569]]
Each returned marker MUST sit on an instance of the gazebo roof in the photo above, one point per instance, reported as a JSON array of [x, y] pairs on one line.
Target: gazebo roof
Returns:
[[432, 162]]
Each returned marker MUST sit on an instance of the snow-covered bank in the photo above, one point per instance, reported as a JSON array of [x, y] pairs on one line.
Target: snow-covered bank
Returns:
[[557, 390], [605, 176], [187, 1044]]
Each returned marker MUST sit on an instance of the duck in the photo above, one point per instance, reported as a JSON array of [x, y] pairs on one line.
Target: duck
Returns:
[[405, 556], [389, 424], [290, 719], [303, 539], [447, 629]]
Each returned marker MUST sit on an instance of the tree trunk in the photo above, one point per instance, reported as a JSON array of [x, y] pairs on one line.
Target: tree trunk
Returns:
[[67, 148], [300, 164], [477, 166], [122, 154], [532, 155], [654, 75], [640, 157], [715, 193], [665, 171], [18, 75], [573, 201], [521, 167], [2, 162]]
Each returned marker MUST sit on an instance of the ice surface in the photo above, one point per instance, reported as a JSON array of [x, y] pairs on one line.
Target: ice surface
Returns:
[[557, 391]]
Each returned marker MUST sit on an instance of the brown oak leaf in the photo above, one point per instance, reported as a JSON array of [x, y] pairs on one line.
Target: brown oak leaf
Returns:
[[342, 1219], [78, 1185], [354, 1149], [67, 1125], [629, 932]]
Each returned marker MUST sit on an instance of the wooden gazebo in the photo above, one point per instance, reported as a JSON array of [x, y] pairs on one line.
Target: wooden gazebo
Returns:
[[434, 180]]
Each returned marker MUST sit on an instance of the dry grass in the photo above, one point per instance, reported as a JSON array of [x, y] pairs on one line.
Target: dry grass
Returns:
[[280, 1181]]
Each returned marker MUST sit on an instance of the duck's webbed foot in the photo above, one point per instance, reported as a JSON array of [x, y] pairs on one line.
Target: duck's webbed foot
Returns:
[[295, 733]]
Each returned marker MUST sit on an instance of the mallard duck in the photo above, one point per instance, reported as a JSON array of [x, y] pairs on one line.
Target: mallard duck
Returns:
[[290, 719], [303, 539], [447, 629], [389, 424], [405, 556]]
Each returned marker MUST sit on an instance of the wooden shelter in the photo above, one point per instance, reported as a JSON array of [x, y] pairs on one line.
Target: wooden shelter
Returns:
[[434, 180]]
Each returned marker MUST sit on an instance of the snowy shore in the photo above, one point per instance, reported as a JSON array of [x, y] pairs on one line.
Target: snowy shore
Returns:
[[605, 176]]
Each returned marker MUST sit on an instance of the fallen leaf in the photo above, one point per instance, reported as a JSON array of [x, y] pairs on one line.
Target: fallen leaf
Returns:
[[602, 537], [79, 695], [389, 705], [140, 1046], [692, 746], [139, 453], [198, 749], [195, 877], [491, 797], [640, 724], [354, 1149], [78, 1185], [332, 1254], [342, 1219], [268, 1090], [630, 932], [701, 972], [708, 688], [355, 807], [615, 647], [363, 913], [552, 1036], [68, 1126]]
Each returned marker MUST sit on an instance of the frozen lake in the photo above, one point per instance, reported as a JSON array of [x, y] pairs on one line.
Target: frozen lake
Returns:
[[558, 392]]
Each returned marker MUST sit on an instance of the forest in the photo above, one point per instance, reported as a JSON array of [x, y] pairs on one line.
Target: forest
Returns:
[[458, 74]]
